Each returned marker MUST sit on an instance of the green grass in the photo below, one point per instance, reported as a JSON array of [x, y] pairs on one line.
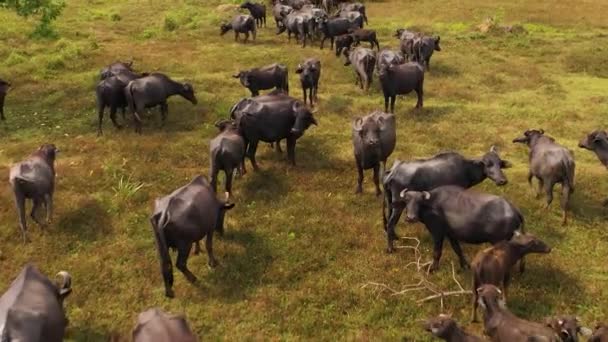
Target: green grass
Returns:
[[299, 245]]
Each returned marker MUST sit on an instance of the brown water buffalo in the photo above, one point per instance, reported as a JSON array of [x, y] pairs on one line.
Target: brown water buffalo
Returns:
[[34, 178], [550, 163], [600, 334], [257, 11], [267, 77], [4, 87], [155, 325], [31, 310], [183, 218], [310, 73], [227, 154], [401, 79], [279, 12], [240, 24]]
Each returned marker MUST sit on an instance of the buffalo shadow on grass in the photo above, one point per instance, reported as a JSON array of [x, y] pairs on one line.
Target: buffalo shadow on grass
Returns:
[[443, 70], [426, 113], [86, 221], [265, 185], [239, 272]]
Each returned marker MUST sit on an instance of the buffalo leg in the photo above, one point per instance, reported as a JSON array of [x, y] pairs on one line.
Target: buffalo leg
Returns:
[[209, 248], [236, 36], [386, 100], [214, 172], [291, 150], [253, 146], [310, 96], [506, 280], [456, 247], [183, 251], [541, 185], [393, 98], [197, 248], [48, 200], [437, 249], [475, 299], [35, 206], [164, 110], [332, 42], [254, 34], [377, 179], [304, 90], [428, 64], [246, 37], [360, 177], [229, 174], [323, 41], [565, 200], [419, 94], [20, 204], [392, 222], [278, 147], [549, 193], [113, 111], [100, 113], [530, 176]]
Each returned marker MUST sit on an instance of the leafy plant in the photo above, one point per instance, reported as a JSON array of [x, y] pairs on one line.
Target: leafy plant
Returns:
[[47, 10], [126, 188]]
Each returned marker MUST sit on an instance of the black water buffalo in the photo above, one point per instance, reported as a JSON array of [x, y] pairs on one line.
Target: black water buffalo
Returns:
[[424, 48], [425, 174], [550, 163], [182, 218], [597, 141], [271, 76], [110, 92], [600, 334], [279, 12], [446, 328], [154, 90], [310, 72], [4, 86], [240, 24], [34, 178], [461, 215], [331, 28], [363, 61], [353, 7], [343, 42], [298, 24], [227, 154], [155, 325], [31, 310], [271, 118], [387, 57], [257, 11], [374, 138], [116, 68], [401, 79], [502, 325], [363, 35], [568, 328]]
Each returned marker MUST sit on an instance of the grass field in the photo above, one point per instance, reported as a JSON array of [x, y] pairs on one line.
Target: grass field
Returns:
[[299, 244]]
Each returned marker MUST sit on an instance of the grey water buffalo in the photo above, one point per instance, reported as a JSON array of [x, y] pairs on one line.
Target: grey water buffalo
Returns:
[[550, 163], [387, 57], [401, 79], [154, 90], [407, 41], [461, 215], [271, 118], [110, 92], [31, 310], [310, 73], [446, 328], [600, 334], [257, 11], [155, 325], [116, 68], [4, 87], [333, 27], [279, 12], [267, 77], [567, 327], [493, 265], [374, 138], [424, 48], [34, 178], [240, 24], [363, 61], [597, 141], [182, 218], [425, 174], [364, 35], [298, 24], [353, 7], [354, 17], [227, 154], [502, 325]]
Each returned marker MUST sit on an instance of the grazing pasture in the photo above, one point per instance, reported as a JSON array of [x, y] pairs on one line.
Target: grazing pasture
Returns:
[[300, 244]]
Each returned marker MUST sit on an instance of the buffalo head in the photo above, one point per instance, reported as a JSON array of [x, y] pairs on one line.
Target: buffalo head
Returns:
[[493, 165], [63, 284], [529, 243], [307, 71], [224, 207], [48, 151], [594, 140], [225, 28], [223, 125], [188, 93], [304, 118], [244, 77], [437, 47], [413, 200], [568, 328], [369, 130], [529, 136], [441, 326], [490, 296]]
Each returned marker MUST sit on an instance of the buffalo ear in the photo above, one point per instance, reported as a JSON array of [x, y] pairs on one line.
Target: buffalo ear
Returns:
[[358, 124], [542, 131], [505, 164], [427, 195], [237, 75], [299, 69]]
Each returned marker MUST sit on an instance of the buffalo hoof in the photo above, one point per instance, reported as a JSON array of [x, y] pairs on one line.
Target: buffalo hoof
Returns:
[[605, 203], [191, 278], [212, 263], [434, 267], [358, 190], [465, 266], [390, 250], [378, 193], [169, 293]]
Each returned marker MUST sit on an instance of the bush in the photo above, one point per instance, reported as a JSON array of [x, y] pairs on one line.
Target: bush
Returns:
[[48, 10], [170, 24]]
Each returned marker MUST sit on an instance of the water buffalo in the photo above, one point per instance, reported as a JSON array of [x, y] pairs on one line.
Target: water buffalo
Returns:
[[600, 334], [493, 265], [550, 163], [227, 154], [310, 72], [353, 7], [34, 178], [425, 174], [257, 11], [298, 24], [279, 13], [502, 325], [182, 218], [31, 310], [363, 61], [116, 68], [4, 86], [374, 138], [240, 24], [568, 328], [271, 118], [155, 325], [343, 42], [354, 17], [424, 48], [446, 328], [110, 92], [387, 57], [331, 28], [154, 90], [271, 76], [597, 141], [362, 35], [407, 41], [401, 79]]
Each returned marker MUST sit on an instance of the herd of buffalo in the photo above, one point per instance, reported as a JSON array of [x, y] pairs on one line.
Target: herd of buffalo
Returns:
[[434, 191]]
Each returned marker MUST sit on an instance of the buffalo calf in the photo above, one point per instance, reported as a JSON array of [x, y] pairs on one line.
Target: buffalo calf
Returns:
[[401, 79], [4, 86], [227, 154], [597, 141], [271, 76], [310, 72], [600, 334], [446, 328], [363, 35], [240, 24], [257, 11]]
